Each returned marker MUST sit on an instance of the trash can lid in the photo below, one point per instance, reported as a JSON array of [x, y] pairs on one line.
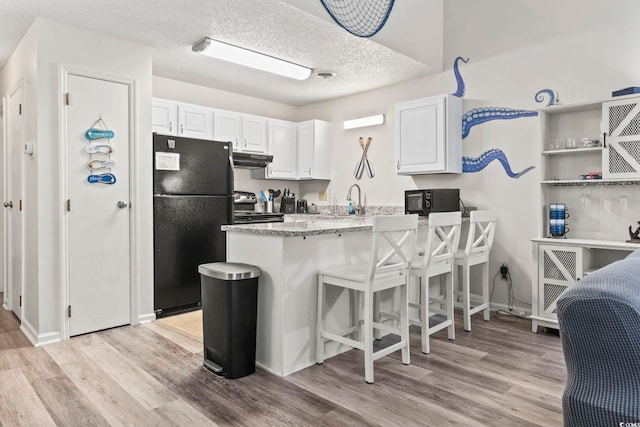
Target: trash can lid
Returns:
[[229, 270]]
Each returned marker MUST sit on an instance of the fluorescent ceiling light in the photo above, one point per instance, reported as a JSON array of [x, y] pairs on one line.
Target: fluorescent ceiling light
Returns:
[[250, 58], [365, 121]]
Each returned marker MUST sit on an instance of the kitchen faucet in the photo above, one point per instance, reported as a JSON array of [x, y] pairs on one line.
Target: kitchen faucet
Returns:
[[359, 208]]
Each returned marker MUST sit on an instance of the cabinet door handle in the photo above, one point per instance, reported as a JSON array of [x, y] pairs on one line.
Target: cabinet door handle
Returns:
[[170, 126], [236, 144], [181, 129], [604, 140], [245, 143], [309, 171], [398, 165], [269, 170]]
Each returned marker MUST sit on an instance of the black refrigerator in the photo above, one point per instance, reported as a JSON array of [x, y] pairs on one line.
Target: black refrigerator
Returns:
[[192, 199]]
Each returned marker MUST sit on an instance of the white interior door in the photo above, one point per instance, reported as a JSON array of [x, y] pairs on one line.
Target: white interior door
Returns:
[[13, 202], [3, 225], [98, 214]]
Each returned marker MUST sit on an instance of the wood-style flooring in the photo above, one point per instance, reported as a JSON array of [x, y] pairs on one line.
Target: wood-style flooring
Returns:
[[500, 374]]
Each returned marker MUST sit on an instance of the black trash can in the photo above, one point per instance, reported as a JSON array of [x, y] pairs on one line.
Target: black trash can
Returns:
[[229, 311]]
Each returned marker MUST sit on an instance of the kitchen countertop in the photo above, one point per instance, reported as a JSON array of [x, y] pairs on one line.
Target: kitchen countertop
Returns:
[[310, 224]]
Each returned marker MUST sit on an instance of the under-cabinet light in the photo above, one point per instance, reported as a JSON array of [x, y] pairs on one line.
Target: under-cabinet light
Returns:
[[250, 58], [364, 121]]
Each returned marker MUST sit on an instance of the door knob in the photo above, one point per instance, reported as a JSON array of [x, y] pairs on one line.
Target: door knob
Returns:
[[122, 204], [8, 204]]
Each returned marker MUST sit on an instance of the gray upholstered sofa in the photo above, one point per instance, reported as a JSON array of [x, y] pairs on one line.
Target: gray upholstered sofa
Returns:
[[600, 329]]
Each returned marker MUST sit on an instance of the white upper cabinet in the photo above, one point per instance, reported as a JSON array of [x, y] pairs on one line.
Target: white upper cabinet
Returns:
[[281, 143], [621, 156], [195, 121], [314, 150], [254, 134], [227, 126], [164, 117], [174, 118], [246, 132], [428, 135]]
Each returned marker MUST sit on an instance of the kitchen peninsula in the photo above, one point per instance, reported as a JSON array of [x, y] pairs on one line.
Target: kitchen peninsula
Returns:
[[289, 254]]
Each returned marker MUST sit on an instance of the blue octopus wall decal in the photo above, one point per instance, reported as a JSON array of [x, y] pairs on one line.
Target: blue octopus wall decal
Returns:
[[460, 91], [476, 164], [480, 115], [540, 98]]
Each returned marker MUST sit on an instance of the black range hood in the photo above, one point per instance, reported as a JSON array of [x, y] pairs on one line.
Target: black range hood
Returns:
[[251, 160]]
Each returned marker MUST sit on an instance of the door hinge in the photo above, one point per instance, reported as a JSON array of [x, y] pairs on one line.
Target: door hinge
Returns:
[[20, 300], [21, 205], [69, 311], [67, 98], [19, 109], [68, 205]]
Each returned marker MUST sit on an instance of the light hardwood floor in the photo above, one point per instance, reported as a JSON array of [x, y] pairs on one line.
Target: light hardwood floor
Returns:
[[500, 374]]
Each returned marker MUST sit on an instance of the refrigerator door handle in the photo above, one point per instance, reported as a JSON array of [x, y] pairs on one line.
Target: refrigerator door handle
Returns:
[[231, 183]]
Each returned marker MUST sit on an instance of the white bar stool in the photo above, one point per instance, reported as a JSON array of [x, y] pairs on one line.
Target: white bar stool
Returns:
[[392, 248], [443, 239], [482, 229]]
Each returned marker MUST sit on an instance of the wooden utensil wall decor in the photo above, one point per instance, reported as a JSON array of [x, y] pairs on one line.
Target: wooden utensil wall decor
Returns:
[[100, 153], [364, 164]]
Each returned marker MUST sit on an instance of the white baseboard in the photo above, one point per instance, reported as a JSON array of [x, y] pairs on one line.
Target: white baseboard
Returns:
[[38, 340], [29, 332], [48, 338], [146, 318], [271, 371]]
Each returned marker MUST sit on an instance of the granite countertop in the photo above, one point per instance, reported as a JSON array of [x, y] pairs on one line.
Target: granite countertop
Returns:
[[310, 224]]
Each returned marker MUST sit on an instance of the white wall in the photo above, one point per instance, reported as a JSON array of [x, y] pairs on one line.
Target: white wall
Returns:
[[46, 46], [215, 98], [586, 63]]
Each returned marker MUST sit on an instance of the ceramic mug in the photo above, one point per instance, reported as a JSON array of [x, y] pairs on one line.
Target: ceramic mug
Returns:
[[558, 227], [558, 211]]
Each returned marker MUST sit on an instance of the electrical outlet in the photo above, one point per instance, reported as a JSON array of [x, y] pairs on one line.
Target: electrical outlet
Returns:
[[504, 270], [322, 196]]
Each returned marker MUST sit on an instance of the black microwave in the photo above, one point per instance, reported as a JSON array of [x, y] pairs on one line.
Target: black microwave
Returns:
[[423, 202]]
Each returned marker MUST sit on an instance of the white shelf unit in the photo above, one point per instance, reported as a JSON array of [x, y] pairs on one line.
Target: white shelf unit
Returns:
[[600, 210]]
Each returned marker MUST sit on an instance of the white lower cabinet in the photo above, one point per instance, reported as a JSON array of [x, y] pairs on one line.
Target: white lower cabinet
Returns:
[[558, 268]]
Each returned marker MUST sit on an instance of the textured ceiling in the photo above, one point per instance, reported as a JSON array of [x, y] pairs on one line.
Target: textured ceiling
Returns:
[[301, 31]]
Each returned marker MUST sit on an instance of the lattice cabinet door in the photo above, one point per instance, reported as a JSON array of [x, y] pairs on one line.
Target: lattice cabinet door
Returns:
[[558, 268], [621, 155]]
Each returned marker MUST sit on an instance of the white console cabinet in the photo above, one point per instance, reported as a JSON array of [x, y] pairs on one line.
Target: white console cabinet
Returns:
[[428, 135], [600, 210]]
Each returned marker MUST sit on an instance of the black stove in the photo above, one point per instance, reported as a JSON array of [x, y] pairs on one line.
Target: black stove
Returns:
[[251, 217], [244, 210]]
